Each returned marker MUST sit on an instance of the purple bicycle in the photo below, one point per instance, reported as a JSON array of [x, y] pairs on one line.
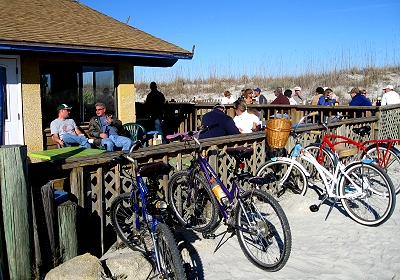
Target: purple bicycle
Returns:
[[199, 198]]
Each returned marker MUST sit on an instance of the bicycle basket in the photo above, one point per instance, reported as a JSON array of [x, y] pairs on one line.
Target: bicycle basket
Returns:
[[277, 132]]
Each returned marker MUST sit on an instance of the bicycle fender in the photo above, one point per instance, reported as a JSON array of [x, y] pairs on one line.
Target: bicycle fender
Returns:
[[295, 162]]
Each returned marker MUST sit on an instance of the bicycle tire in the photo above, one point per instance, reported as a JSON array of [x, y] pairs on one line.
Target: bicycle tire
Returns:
[[201, 212], [123, 219], [269, 242], [168, 257], [327, 159], [392, 164], [297, 181], [377, 201]]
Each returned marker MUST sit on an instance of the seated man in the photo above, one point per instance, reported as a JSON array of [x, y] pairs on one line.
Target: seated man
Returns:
[[108, 129], [225, 122], [65, 132], [357, 99]]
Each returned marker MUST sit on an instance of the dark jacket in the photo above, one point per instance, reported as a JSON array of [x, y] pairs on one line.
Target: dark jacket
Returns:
[[226, 124], [155, 104], [95, 127], [361, 100]]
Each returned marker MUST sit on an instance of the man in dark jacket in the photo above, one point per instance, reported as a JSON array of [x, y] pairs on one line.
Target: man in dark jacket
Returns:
[[155, 101], [110, 130], [357, 99], [217, 116]]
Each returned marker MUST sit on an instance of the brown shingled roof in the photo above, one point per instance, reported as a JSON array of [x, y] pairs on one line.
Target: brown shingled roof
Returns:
[[70, 24]]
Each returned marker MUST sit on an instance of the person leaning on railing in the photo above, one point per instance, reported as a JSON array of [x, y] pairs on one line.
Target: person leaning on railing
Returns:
[[226, 125], [358, 99]]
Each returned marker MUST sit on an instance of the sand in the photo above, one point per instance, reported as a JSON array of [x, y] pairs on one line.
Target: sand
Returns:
[[332, 248]]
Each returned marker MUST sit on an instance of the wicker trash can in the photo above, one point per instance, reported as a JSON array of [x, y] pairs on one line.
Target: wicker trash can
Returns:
[[277, 132]]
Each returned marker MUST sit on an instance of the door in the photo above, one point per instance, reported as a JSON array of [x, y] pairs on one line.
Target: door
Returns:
[[12, 106]]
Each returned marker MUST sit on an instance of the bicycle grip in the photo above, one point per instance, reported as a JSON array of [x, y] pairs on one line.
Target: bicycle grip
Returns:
[[316, 132], [313, 114]]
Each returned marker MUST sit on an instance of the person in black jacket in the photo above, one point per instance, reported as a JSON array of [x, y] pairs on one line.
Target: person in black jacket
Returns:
[[108, 129], [217, 116], [155, 107]]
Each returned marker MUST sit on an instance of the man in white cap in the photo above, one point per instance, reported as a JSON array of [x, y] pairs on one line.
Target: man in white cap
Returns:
[[390, 96], [297, 95]]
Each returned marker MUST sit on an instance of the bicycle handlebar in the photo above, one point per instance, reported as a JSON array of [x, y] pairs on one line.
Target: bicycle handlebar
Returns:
[[138, 144]]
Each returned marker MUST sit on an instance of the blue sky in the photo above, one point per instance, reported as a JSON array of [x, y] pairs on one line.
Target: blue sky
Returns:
[[264, 37]]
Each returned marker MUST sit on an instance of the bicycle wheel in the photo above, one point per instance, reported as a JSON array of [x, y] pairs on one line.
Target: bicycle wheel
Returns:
[[389, 161], [324, 156], [200, 212], [167, 254], [123, 219], [264, 233], [275, 171], [375, 203]]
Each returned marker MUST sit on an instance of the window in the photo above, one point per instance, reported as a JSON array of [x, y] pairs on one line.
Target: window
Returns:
[[79, 86]]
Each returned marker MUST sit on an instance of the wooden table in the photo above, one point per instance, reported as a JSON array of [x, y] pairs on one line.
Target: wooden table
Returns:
[[63, 153]]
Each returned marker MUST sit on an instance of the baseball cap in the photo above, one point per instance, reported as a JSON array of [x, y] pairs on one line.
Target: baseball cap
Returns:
[[219, 105], [297, 88], [257, 89], [63, 106], [355, 90], [389, 87]]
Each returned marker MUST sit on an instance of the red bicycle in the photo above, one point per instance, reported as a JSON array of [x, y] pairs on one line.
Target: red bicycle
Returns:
[[337, 147]]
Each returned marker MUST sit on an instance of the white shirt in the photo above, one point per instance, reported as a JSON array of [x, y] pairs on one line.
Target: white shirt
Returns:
[[390, 98], [226, 100], [245, 122], [292, 101]]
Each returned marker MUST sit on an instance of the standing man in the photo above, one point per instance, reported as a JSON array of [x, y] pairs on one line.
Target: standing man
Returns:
[[108, 129], [259, 97], [297, 95], [390, 97], [226, 125], [65, 132], [155, 107]]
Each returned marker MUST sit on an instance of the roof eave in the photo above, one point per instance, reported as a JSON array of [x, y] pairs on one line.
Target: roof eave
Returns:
[[18, 46]]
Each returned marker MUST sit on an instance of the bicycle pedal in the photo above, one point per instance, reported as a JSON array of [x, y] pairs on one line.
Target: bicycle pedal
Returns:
[[314, 208], [208, 235]]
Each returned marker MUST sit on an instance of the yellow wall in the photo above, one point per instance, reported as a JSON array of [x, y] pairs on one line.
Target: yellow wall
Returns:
[[31, 104], [126, 93]]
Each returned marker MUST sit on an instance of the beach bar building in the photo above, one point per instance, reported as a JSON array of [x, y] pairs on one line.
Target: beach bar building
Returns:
[[61, 51]]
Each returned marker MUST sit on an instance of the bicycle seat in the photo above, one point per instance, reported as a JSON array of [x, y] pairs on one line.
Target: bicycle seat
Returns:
[[154, 169], [362, 131], [240, 153]]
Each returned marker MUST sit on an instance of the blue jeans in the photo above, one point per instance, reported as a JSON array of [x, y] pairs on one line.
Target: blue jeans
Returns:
[[159, 127], [70, 139], [117, 141]]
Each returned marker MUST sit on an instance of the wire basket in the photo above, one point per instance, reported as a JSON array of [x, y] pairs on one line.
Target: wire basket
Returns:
[[277, 132]]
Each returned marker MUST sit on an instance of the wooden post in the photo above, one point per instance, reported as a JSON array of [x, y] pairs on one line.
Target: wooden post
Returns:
[[67, 213], [16, 207]]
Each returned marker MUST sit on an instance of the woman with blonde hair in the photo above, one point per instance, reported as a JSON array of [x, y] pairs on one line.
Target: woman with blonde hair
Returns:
[[227, 99], [248, 96], [244, 121]]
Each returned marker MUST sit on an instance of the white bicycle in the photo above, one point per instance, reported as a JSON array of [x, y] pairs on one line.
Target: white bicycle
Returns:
[[365, 191]]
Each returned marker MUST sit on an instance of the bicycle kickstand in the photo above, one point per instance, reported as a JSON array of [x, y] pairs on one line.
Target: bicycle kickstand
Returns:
[[330, 208]]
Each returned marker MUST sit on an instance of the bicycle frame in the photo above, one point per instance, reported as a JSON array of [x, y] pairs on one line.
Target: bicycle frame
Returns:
[[334, 178], [382, 160], [209, 173]]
